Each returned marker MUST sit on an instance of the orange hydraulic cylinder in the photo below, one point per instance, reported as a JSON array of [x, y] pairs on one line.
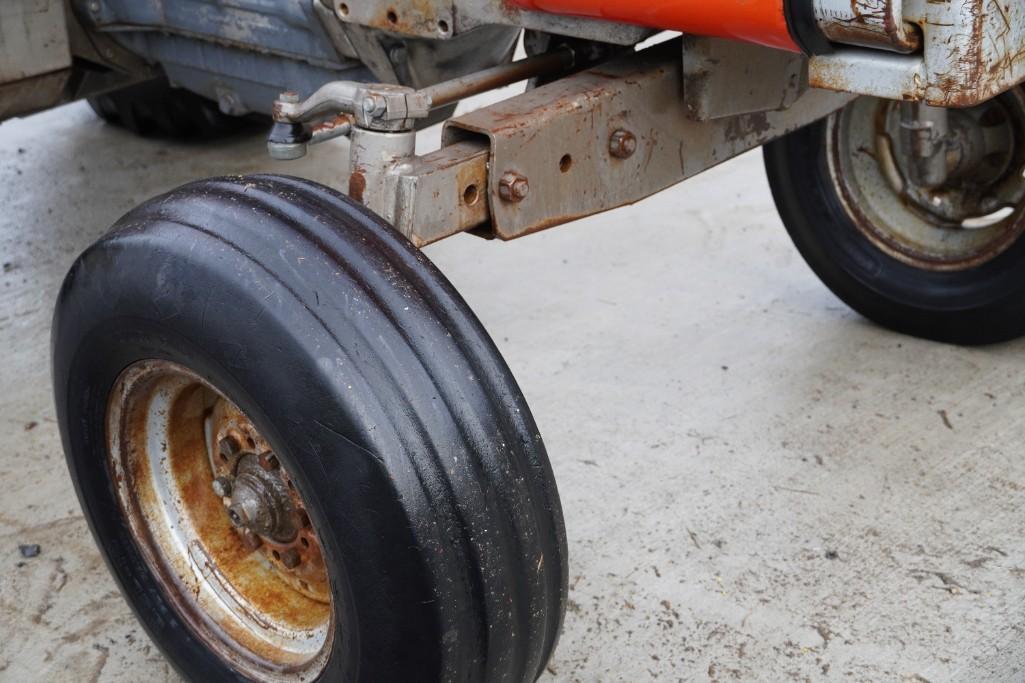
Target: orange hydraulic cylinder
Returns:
[[753, 21]]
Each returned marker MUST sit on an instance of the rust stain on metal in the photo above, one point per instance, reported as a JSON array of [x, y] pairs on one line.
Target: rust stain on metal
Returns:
[[875, 23], [329, 125], [562, 135], [357, 185], [410, 17], [249, 576]]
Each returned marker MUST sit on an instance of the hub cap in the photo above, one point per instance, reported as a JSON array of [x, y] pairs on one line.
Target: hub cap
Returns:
[[220, 522]]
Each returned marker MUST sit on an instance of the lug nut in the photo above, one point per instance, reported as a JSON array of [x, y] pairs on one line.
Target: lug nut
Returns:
[[250, 540], [289, 97], [622, 144], [268, 461], [513, 187], [222, 486], [290, 558], [229, 445]]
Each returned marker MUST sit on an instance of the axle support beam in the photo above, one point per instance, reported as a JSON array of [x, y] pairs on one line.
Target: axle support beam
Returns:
[[592, 141]]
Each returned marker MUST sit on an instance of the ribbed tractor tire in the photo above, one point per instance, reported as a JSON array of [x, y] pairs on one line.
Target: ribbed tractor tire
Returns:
[[381, 395], [155, 109], [982, 304]]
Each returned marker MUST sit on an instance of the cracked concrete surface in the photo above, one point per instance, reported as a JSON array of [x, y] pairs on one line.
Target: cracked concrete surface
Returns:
[[758, 484]]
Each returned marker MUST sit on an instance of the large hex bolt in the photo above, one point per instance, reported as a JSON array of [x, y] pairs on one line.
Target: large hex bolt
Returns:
[[250, 540], [222, 487], [374, 105], [268, 461], [622, 144], [512, 187]]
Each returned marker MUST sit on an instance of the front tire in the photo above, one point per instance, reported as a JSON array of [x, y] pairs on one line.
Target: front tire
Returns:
[[397, 428], [956, 278]]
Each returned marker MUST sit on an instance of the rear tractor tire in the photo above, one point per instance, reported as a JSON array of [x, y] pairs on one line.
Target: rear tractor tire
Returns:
[[945, 263], [154, 109]]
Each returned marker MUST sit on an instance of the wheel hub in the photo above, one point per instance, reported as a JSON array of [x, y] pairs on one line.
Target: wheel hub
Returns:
[[220, 522], [262, 504], [975, 150], [258, 502], [945, 198]]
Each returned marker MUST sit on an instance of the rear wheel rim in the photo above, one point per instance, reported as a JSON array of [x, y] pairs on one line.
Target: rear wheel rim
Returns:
[[220, 522], [965, 223]]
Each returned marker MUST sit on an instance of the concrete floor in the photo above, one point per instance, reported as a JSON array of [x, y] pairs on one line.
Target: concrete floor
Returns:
[[758, 484]]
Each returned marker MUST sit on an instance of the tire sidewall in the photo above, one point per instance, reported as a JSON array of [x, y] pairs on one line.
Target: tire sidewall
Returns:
[[982, 304], [91, 350]]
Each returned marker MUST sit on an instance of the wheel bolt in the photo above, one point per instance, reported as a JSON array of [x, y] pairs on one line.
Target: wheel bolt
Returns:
[[229, 445], [513, 187], [251, 540], [290, 558], [222, 486], [622, 144], [268, 461]]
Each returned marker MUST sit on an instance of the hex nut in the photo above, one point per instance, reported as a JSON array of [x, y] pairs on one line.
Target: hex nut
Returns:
[[513, 187], [622, 144], [374, 105], [222, 486], [251, 540]]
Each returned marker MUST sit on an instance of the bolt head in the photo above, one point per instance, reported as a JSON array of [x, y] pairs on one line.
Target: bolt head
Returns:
[[250, 540], [222, 486], [374, 105], [269, 461], [290, 558], [229, 445], [289, 97], [622, 144], [513, 187]]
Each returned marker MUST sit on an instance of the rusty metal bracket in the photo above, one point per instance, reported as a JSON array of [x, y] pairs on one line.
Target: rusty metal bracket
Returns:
[[868, 23], [725, 78], [969, 50], [589, 142], [426, 198], [564, 142], [444, 193]]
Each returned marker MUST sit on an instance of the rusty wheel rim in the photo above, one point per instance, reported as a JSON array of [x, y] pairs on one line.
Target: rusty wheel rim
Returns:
[[220, 522], [961, 225]]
